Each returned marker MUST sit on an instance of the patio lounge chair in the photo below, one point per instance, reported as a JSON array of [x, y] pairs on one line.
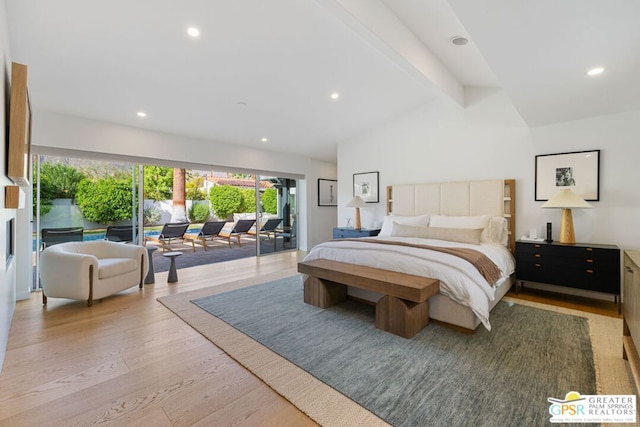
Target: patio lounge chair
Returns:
[[119, 233], [242, 226], [53, 236], [210, 230], [171, 231], [268, 228]]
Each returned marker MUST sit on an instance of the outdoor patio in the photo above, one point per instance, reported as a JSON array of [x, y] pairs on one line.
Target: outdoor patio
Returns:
[[217, 251]]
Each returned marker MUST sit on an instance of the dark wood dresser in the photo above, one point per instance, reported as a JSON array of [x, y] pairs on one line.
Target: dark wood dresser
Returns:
[[587, 266]]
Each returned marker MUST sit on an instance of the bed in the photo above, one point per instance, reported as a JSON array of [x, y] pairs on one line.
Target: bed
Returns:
[[477, 215]]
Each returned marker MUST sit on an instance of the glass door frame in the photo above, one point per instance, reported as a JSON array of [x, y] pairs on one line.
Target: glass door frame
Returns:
[[282, 201]]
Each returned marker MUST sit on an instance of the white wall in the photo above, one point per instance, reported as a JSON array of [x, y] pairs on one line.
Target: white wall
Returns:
[[489, 140], [7, 273], [320, 229], [62, 131]]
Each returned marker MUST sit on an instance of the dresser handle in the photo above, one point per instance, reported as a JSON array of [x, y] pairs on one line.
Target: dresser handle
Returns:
[[628, 270], [589, 271], [537, 265], [589, 249], [537, 255], [589, 260], [536, 246]]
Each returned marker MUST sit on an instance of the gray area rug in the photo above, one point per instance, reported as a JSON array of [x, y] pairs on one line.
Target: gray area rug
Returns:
[[440, 377]]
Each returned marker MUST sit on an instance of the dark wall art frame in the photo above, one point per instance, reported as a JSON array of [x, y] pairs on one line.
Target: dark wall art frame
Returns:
[[578, 170], [327, 192], [366, 186]]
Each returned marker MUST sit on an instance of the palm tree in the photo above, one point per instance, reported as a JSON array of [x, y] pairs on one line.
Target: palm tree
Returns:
[[179, 211]]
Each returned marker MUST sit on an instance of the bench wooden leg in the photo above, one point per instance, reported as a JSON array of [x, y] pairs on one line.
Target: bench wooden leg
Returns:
[[323, 293], [401, 317]]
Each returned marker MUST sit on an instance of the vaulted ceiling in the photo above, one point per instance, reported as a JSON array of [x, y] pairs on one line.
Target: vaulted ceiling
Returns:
[[267, 68]]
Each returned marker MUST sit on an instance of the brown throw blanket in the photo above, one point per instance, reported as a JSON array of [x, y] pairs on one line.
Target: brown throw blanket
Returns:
[[487, 268]]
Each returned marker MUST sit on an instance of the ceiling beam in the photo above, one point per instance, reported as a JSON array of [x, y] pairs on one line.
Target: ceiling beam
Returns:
[[379, 26]]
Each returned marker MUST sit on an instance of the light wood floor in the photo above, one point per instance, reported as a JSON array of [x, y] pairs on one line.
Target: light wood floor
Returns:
[[129, 361], [591, 305]]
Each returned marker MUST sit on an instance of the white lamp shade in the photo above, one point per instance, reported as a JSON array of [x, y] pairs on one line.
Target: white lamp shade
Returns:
[[356, 202], [566, 198]]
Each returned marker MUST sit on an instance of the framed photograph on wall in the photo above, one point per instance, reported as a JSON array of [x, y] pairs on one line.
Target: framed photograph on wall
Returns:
[[327, 192], [365, 185], [579, 171]]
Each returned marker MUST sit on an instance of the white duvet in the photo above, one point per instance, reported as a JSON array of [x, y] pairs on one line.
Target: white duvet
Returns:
[[459, 280]]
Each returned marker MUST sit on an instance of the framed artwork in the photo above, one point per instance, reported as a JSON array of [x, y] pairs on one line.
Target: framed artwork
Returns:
[[365, 185], [327, 192], [19, 141], [578, 170]]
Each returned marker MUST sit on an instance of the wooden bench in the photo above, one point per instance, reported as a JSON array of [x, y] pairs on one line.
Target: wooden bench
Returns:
[[404, 308]]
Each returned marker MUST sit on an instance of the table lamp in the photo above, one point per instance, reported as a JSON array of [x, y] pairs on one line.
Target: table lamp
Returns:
[[357, 203], [566, 199]]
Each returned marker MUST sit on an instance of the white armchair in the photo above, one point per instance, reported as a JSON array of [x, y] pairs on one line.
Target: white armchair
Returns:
[[91, 270]]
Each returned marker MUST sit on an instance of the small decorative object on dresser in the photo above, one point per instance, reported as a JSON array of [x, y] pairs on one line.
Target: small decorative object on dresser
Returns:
[[631, 313], [350, 232], [584, 266]]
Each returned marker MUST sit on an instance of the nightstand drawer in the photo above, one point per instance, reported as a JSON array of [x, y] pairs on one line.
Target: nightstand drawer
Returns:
[[349, 233]]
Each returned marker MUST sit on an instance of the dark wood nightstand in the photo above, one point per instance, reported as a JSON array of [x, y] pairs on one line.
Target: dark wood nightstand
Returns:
[[350, 232], [586, 266]]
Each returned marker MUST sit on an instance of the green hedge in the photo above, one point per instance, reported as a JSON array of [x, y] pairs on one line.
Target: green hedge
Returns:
[[105, 200]]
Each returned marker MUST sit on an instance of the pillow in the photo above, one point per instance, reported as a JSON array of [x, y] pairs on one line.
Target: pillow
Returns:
[[478, 221], [416, 221], [498, 230], [459, 235]]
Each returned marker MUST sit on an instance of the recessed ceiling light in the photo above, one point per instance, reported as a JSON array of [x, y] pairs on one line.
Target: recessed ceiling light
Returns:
[[193, 32], [459, 40], [141, 114], [335, 95], [595, 71], [264, 139]]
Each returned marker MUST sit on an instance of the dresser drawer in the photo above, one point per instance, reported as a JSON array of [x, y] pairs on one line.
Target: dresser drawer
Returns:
[[568, 251]]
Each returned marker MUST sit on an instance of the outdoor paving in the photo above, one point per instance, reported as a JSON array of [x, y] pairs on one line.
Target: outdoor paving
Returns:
[[217, 251]]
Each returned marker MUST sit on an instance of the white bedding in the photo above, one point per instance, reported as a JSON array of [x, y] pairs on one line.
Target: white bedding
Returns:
[[459, 280]]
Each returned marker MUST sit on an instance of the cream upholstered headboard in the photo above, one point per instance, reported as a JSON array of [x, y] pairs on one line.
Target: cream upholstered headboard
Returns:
[[491, 197]]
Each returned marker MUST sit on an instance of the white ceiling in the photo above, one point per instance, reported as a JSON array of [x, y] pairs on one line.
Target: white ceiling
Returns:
[[107, 60]]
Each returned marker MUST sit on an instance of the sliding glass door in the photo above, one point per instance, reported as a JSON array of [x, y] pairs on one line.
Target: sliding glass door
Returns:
[[277, 214]]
